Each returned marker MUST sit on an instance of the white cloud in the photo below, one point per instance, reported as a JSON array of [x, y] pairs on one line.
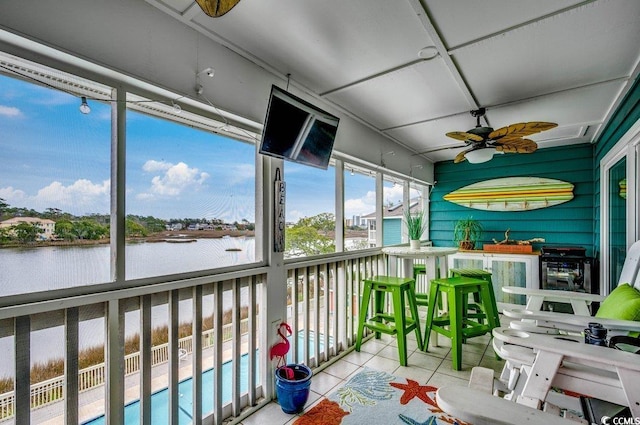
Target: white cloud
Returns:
[[367, 204], [12, 195], [393, 194], [151, 165], [144, 196], [357, 207], [360, 206], [81, 197], [79, 194], [49, 97], [10, 111], [175, 179], [242, 173], [294, 216]]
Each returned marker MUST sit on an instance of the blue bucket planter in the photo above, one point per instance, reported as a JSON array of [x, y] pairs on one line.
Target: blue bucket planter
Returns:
[[293, 392]]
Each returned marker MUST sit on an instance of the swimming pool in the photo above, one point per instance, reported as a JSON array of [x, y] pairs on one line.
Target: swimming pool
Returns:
[[160, 399]]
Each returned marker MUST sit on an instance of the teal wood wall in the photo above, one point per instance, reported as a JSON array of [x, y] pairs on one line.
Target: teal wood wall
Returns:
[[625, 116], [391, 234], [571, 223]]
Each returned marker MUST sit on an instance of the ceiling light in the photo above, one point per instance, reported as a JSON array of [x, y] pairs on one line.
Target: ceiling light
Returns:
[[209, 71], [84, 106], [428, 53], [479, 156]]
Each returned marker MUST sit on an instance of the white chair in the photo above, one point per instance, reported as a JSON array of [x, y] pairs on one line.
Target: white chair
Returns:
[[547, 349], [481, 408], [545, 362], [560, 329], [532, 319], [580, 302]]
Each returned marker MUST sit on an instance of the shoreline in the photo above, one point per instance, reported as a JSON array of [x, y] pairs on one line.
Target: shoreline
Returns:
[[164, 236]]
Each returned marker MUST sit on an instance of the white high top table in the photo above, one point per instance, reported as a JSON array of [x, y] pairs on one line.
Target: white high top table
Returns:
[[435, 260]]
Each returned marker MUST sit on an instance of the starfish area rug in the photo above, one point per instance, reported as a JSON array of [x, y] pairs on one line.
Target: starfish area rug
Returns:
[[372, 397]]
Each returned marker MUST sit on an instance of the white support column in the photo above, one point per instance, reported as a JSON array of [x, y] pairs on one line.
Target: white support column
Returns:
[[425, 192], [252, 346], [196, 355], [22, 332], [340, 218], [379, 209], [274, 295], [235, 347], [406, 205], [145, 360], [172, 346], [115, 364], [118, 186], [71, 366], [217, 352]]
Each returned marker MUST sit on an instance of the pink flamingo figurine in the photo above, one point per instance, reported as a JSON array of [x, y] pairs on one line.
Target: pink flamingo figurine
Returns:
[[281, 349]]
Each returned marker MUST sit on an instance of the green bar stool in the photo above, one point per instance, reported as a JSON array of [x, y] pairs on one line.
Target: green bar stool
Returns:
[[480, 312], [421, 298], [392, 323], [455, 324]]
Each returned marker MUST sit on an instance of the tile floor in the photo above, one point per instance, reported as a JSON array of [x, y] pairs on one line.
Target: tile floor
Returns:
[[432, 368]]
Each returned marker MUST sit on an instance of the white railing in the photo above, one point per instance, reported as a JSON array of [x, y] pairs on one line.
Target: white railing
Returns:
[[324, 301], [52, 390], [328, 322]]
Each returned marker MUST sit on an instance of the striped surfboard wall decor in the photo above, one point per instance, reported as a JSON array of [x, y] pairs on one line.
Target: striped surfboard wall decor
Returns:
[[512, 194]]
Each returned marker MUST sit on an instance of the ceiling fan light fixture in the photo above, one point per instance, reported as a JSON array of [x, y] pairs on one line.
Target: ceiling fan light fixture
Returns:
[[479, 156]]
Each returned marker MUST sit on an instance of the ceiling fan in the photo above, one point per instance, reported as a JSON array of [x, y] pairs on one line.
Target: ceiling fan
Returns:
[[484, 142], [216, 8]]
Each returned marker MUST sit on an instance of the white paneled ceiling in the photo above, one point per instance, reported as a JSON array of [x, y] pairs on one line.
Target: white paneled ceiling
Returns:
[[562, 61]]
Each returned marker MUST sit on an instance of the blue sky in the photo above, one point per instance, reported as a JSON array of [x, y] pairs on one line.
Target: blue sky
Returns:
[[53, 156]]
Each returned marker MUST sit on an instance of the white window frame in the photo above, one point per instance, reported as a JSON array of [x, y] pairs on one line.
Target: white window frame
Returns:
[[627, 147]]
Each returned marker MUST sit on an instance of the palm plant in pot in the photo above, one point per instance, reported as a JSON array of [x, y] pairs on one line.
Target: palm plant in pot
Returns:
[[466, 232], [416, 225]]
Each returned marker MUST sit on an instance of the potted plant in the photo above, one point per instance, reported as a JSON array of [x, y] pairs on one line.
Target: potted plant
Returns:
[[416, 225], [466, 232]]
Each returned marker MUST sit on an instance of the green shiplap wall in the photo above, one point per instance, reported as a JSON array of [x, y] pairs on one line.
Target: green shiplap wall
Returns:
[[624, 118], [571, 223]]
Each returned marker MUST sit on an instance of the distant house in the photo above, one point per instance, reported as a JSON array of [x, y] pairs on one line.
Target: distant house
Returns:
[[48, 226], [392, 218], [356, 221], [174, 226]]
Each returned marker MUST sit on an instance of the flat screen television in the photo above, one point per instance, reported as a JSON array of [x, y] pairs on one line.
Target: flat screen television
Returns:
[[298, 131]]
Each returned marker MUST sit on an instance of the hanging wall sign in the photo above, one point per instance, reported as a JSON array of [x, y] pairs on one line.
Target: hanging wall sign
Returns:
[[279, 217]]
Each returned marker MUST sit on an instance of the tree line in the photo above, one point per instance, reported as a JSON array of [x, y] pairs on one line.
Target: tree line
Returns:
[[309, 236], [89, 227]]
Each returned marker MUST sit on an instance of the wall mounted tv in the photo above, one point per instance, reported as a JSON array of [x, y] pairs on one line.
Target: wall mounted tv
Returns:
[[298, 131]]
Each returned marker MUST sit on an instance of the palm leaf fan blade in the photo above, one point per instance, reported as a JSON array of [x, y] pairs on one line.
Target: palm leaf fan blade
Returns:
[[460, 157], [464, 136], [216, 8], [516, 146], [521, 129]]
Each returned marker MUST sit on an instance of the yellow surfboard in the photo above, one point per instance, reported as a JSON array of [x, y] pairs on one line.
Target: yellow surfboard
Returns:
[[513, 194]]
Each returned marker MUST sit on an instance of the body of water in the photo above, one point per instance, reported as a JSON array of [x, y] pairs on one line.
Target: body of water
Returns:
[[25, 270]]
